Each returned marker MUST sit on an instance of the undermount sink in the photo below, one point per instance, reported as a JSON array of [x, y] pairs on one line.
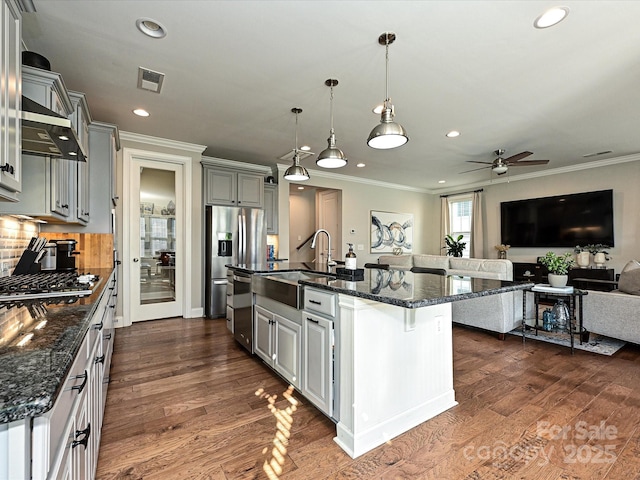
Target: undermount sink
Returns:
[[283, 287]]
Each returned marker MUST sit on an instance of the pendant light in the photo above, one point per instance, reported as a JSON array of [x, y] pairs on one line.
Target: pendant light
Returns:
[[388, 134], [332, 156], [296, 172]]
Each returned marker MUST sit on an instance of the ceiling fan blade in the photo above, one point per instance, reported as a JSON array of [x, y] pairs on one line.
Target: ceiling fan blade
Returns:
[[519, 156], [476, 161], [529, 162], [476, 169]]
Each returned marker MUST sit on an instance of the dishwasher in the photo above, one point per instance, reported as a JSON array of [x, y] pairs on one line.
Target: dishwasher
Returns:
[[242, 311]]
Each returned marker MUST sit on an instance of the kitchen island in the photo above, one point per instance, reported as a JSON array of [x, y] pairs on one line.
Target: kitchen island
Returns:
[[393, 347]]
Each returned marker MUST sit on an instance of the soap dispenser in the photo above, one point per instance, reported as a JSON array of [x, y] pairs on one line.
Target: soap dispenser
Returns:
[[350, 258]]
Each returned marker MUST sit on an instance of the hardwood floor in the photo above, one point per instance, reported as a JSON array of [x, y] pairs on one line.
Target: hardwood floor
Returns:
[[186, 402]]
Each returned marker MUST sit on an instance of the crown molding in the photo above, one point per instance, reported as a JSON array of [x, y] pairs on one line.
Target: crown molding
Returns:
[[224, 163], [161, 142], [349, 178], [541, 173]]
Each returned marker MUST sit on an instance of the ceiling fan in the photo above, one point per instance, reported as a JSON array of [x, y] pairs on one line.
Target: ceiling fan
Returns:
[[501, 165]]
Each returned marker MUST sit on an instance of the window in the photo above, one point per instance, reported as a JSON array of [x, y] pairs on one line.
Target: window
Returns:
[[460, 211]]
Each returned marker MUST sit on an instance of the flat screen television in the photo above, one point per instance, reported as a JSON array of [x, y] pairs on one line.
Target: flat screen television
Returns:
[[559, 221]]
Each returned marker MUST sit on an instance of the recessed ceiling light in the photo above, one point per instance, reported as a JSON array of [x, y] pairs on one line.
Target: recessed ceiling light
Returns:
[[300, 188], [64, 138], [305, 148], [360, 165], [453, 134], [151, 28], [551, 17], [442, 181], [141, 112]]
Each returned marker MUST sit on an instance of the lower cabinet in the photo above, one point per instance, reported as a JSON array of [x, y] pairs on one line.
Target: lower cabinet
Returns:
[[317, 361], [66, 439], [277, 340]]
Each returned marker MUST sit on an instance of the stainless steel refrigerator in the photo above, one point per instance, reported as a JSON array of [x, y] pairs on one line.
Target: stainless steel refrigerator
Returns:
[[233, 236]]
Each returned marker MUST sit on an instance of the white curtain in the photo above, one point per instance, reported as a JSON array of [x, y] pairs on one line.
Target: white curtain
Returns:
[[477, 227], [445, 223]]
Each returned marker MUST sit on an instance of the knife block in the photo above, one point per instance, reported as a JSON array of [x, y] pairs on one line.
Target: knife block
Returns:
[[27, 263]]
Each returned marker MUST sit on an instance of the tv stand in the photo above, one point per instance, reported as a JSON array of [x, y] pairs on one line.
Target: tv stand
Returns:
[[601, 279]]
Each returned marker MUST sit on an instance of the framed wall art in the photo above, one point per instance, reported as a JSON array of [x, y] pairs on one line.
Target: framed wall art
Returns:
[[391, 232]]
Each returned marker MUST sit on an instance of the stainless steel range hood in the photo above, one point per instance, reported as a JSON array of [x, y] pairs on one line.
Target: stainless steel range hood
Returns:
[[44, 132]]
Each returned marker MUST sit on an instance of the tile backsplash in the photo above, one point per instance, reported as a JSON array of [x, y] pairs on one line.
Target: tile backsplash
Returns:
[[14, 238]]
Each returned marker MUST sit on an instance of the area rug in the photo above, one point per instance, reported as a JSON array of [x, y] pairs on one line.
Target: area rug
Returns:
[[596, 344]]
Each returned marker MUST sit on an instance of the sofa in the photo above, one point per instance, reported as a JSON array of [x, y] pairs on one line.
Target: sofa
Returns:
[[497, 313], [616, 314]]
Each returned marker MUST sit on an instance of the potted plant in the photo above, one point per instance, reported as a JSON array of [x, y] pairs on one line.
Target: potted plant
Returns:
[[582, 256], [454, 247], [599, 252], [558, 266]]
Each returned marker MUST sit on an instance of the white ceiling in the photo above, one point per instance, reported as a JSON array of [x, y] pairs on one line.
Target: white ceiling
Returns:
[[234, 70]]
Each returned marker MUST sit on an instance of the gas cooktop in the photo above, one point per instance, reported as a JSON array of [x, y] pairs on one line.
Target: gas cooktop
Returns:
[[45, 285]]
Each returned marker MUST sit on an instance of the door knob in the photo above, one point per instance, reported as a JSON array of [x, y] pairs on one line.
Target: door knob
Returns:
[[136, 260]]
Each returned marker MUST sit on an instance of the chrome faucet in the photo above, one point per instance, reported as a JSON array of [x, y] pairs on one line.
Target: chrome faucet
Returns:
[[330, 262]]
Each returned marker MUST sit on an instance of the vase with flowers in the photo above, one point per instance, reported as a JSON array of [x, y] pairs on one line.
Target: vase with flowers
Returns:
[[502, 250]]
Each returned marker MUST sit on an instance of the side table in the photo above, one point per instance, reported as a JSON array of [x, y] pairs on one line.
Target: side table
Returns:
[[575, 310]]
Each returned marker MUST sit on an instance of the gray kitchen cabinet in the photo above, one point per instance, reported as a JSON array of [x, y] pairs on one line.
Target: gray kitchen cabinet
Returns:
[[104, 143], [234, 188], [277, 340], [318, 348], [81, 118], [271, 208], [48, 184], [10, 101]]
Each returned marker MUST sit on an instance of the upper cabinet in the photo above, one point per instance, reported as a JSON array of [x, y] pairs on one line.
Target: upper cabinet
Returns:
[[232, 187], [81, 118], [271, 207], [10, 101], [55, 189]]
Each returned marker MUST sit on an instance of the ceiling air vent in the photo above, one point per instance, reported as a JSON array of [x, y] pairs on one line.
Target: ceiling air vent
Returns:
[[150, 80], [301, 155]]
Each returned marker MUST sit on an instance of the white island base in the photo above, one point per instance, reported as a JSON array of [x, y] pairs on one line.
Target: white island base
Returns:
[[394, 369]]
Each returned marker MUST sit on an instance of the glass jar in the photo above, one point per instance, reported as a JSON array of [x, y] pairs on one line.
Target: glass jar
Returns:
[[561, 313]]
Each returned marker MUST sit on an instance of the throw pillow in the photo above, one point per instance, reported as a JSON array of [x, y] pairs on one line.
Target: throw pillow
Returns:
[[629, 281]]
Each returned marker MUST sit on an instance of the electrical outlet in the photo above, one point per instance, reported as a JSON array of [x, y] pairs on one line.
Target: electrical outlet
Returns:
[[5, 267]]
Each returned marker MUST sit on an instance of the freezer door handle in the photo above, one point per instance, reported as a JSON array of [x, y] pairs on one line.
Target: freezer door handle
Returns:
[[220, 282]]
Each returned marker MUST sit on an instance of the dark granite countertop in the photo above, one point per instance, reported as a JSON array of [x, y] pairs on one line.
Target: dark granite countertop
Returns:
[[396, 287], [32, 375]]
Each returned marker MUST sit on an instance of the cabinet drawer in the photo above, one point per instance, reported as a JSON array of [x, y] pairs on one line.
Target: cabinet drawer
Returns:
[[319, 301]]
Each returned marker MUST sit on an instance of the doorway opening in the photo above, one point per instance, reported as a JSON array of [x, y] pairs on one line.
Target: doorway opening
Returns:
[[312, 208]]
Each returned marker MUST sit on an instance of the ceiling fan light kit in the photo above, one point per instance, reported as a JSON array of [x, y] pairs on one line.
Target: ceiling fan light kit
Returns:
[[332, 156], [388, 134], [500, 165], [296, 172]]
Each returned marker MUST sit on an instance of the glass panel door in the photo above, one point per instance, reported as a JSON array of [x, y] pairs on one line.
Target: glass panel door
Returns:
[[157, 236]]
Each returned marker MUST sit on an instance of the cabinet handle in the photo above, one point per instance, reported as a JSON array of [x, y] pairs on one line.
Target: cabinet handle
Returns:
[[80, 387], [64, 206], [107, 336], [7, 168], [86, 433], [99, 359], [98, 326], [315, 302], [313, 320], [112, 306]]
